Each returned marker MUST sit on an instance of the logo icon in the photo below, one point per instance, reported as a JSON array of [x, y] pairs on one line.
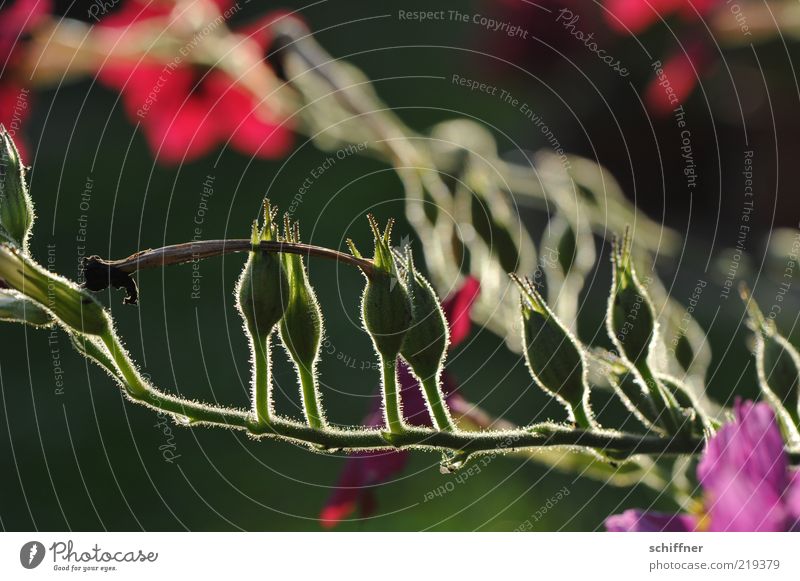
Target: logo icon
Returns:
[[31, 554]]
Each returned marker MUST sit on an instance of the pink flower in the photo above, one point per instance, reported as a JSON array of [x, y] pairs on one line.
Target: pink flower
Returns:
[[634, 16], [186, 111], [16, 23], [746, 478], [363, 471]]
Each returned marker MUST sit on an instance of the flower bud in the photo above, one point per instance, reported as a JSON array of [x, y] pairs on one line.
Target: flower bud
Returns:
[[301, 326], [16, 208], [73, 307], [554, 357], [425, 344], [15, 308], [385, 306], [630, 319], [627, 387], [777, 363], [691, 413], [262, 290]]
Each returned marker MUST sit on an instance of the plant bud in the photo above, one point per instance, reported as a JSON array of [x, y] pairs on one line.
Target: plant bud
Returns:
[[385, 306], [779, 371], [262, 290], [15, 308], [16, 208], [626, 386], [777, 363], [301, 326], [630, 319], [554, 356], [425, 344], [72, 306], [692, 413]]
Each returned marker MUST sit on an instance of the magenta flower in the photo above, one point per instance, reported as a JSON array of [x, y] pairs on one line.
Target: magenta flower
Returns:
[[363, 471], [746, 478]]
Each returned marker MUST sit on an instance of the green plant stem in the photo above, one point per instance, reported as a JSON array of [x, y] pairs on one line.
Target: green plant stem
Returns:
[[433, 394], [391, 397], [262, 390], [472, 442], [359, 439], [138, 390], [311, 405]]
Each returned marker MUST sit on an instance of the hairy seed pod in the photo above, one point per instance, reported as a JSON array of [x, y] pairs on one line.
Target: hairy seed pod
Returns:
[[385, 307], [263, 289], [554, 357], [692, 412], [68, 303], [630, 319], [301, 326], [777, 363], [426, 342], [16, 208]]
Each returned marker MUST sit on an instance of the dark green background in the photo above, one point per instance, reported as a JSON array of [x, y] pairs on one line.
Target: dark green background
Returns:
[[87, 459]]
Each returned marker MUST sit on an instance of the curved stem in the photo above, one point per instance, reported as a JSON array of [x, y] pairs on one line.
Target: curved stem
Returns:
[[433, 395], [311, 404], [138, 390], [391, 397], [582, 418], [359, 439], [99, 273], [262, 382]]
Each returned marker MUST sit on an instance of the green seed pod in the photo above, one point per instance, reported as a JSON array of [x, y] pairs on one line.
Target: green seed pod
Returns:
[[555, 358], [15, 308], [779, 371], [691, 413], [301, 326], [385, 307], [425, 344], [777, 363], [630, 319], [16, 208], [263, 289], [626, 386], [68, 303]]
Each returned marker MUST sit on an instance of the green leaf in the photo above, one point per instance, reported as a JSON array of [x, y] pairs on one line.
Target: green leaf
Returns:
[[15, 308], [16, 207]]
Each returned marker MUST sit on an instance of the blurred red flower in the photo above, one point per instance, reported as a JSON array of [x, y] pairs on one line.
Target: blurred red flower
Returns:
[[683, 69], [186, 110], [363, 471], [17, 19], [681, 72], [634, 16]]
